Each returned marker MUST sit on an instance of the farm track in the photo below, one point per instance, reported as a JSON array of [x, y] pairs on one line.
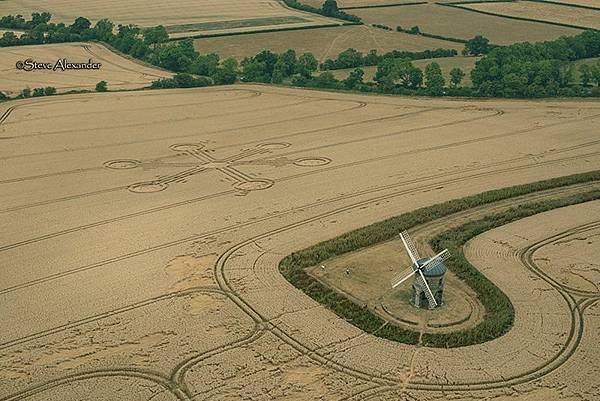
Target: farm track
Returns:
[[175, 380]]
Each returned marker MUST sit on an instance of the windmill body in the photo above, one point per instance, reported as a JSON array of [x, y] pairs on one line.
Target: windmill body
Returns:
[[428, 274], [435, 281]]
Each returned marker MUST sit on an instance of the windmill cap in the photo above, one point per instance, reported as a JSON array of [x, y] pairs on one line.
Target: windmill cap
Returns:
[[439, 270]]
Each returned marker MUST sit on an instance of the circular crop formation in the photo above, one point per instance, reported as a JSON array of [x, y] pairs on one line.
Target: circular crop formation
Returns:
[[147, 187], [312, 161], [274, 145], [254, 185], [187, 147], [122, 164]]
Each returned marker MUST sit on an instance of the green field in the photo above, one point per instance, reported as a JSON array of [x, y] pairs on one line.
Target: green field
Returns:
[[243, 23]]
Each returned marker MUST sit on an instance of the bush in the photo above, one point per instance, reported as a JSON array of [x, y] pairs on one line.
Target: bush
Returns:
[[49, 91], [102, 86]]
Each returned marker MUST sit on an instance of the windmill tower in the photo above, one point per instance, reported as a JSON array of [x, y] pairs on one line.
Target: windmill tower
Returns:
[[428, 284]]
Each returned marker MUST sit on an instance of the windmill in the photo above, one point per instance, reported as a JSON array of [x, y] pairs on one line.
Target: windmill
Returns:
[[428, 273]]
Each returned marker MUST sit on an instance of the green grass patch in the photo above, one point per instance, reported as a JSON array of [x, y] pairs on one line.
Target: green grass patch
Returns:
[[233, 24], [499, 311]]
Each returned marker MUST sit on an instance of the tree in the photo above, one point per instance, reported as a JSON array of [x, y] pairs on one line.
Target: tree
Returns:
[[255, 71], [456, 76], [289, 60], [349, 58], [279, 71], [102, 86], [25, 93], [355, 78], [206, 65], [227, 73], [177, 56], [330, 8], [306, 65], [80, 25], [476, 46], [49, 91], [434, 80], [409, 75], [585, 74], [8, 39], [391, 70], [103, 30], [38, 92], [40, 18], [326, 80], [415, 30], [155, 36], [514, 85], [595, 72]]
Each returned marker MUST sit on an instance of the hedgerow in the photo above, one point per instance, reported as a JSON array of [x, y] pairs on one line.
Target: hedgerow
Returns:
[[499, 311]]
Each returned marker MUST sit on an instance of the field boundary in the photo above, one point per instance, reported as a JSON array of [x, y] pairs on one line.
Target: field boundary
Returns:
[[558, 3], [291, 28], [414, 3], [459, 6], [499, 310]]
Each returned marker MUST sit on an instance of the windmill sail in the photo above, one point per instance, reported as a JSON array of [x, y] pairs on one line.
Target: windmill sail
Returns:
[[418, 270], [410, 247], [401, 277]]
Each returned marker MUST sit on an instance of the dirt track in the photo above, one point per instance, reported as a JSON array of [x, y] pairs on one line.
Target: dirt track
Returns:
[[141, 235]]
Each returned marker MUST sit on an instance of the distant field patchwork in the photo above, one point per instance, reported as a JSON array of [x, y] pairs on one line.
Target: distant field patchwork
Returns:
[[183, 17], [465, 24], [324, 43]]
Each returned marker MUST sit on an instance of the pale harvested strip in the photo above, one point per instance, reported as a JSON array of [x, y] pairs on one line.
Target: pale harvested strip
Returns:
[[543, 12], [453, 22], [322, 42], [118, 71]]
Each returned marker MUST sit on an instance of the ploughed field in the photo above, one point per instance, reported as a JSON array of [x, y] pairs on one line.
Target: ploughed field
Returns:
[[119, 72], [142, 233], [181, 17]]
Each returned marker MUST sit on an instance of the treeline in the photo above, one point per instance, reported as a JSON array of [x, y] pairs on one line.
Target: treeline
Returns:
[[147, 44], [394, 75], [28, 92], [352, 58], [495, 324], [329, 9], [530, 70], [519, 70]]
